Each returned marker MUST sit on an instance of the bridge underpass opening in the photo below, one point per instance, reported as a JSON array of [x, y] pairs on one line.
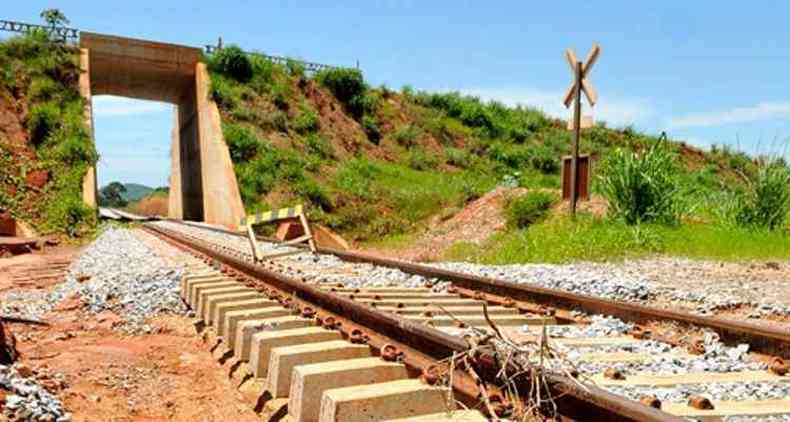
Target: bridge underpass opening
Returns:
[[132, 138], [202, 183]]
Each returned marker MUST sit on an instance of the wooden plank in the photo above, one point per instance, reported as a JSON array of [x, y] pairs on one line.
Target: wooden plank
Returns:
[[572, 60], [589, 92], [732, 408], [694, 378], [568, 98], [592, 57]]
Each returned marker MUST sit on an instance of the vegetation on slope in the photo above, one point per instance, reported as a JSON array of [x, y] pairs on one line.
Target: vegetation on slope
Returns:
[[45, 147], [372, 162]]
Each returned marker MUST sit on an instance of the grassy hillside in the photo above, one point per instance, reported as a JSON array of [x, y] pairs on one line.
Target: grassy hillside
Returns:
[[45, 148], [372, 163], [135, 191]]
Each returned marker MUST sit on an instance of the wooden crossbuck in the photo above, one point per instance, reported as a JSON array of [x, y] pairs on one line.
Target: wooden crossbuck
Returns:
[[296, 212]]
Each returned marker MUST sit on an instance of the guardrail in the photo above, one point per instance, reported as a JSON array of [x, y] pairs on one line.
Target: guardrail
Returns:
[[308, 66], [60, 33], [65, 34]]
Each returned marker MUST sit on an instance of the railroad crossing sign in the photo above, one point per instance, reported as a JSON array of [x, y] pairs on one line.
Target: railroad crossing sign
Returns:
[[587, 88], [574, 96]]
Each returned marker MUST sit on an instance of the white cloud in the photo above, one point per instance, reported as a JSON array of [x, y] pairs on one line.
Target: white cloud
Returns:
[[761, 111], [108, 106], [615, 111]]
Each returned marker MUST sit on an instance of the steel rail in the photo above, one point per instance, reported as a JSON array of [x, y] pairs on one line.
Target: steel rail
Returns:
[[774, 341], [575, 401], [761, 338]]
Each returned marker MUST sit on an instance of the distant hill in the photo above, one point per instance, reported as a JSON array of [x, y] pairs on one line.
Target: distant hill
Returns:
[[135, 191]]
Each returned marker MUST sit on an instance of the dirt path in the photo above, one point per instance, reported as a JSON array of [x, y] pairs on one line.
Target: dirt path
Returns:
[[102, 375]]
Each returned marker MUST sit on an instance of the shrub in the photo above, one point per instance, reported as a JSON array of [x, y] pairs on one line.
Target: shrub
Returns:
[[307, 120], [262, 73], [279, 120], [421, 160], [371, 129], [457, 157], [406, 135], [314, 193], [223, 93], [74, 148], [354, 177], [43, 89], [231, 61], [766, 202], [642, 187], [295, 68], [348, 86], [315, 144], [544, 160], [242, 143], [345, 84], [42, 120], [513, 156], [528, 209]]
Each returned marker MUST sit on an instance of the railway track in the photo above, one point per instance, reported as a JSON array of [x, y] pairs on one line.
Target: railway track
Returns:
[[323, 341]]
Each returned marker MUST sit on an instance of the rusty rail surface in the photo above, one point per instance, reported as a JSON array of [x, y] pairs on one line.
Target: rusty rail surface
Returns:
[[426, 345]]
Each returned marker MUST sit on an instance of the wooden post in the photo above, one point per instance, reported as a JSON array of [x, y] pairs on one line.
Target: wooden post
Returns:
[[256, 253], [307, 232], [577, 116]]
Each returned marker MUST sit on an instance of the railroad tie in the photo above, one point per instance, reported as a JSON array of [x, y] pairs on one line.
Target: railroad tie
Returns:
[[196, 287], [386, 400], [227, 320], [210, 305], [310, 382], [246, 329], [264, 342], [454, 416], [205, 294], [283, 360], [189, 280]]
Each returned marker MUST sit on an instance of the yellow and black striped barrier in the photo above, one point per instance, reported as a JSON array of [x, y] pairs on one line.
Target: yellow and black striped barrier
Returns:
[[269, 216]]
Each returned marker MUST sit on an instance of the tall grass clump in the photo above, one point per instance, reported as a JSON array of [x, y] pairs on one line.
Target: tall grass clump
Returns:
[[766, 201], [642, 187]]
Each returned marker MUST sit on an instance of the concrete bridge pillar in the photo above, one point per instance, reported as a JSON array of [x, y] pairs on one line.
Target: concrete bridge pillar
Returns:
[[203, 185]]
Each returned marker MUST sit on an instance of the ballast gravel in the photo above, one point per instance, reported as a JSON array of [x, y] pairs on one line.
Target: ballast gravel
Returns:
[[26, 400], [117, 273]]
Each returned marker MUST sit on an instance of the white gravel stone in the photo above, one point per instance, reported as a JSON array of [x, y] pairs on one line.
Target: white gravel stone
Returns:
[[125, 276], [29, 401]]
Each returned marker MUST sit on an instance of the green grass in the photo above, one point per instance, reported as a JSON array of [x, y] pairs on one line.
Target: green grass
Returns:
[[373, 191], [45, 75], [560, 240]]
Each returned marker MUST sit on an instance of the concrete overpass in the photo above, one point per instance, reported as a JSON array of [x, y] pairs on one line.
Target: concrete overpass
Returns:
[[202, 183]]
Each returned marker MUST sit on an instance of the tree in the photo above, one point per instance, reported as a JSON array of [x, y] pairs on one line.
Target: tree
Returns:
[[54, 18], [110, 195]]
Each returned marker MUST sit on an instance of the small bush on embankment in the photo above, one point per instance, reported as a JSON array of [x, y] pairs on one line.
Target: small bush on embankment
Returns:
[[45, 159], [528, 209]]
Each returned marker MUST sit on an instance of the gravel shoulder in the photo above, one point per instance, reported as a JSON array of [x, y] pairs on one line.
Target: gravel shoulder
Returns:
[[119, 345]]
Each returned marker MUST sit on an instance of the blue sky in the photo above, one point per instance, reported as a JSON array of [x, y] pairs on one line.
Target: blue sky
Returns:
[[704, 71]]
